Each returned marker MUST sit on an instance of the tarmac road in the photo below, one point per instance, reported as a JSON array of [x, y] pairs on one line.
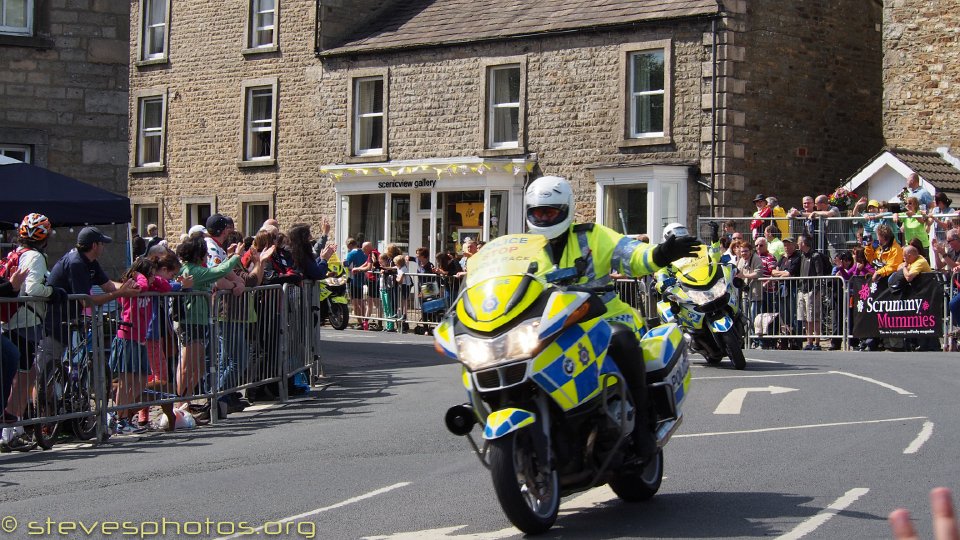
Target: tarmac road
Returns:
[[801, 444]]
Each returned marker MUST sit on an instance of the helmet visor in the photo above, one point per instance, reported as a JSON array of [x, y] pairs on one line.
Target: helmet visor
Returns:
[[679, 232], [546, 216]]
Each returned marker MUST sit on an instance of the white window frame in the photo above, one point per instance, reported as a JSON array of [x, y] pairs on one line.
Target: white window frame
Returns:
[[26, 150], [658, 179], [247, 202], [139, 220], [634, 94], [629, 136], [17, 30], [493, 106], [256, 10], [143, 132], [251, 127], [147, 57], [191, 206], [359, 116]]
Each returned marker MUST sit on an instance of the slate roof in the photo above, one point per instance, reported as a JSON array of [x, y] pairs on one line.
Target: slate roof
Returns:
[[931, 167], [422, 23]]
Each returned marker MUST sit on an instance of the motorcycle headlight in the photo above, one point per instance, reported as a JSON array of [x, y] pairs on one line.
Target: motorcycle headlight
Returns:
[[519, 343], [705, 297]]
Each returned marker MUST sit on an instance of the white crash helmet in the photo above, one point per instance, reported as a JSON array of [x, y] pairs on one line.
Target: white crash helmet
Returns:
[[551, 192], [678, 230]]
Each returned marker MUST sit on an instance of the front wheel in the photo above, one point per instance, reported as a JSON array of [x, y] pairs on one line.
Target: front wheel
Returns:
[[338, 316], [639, 482], [734, 349], [528, 491]]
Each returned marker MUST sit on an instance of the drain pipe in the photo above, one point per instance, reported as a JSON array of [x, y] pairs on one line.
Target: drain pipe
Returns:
[[713, 120]]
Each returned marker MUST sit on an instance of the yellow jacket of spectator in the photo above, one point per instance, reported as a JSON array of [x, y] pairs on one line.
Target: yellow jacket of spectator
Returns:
[[891, 258], [782, 224]]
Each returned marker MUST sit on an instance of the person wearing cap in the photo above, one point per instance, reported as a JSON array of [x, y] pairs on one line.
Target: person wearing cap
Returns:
[[233, 342], [76, 273], [789, 266], [763, 211]]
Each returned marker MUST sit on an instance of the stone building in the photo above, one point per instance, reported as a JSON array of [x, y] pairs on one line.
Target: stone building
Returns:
[[420, 122], [63, 97], [63, 87], [921, 74]]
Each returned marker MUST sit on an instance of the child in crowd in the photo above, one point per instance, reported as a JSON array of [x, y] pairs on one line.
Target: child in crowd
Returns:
[[128, 354], [160, 341], [404, 283], [194, 331]]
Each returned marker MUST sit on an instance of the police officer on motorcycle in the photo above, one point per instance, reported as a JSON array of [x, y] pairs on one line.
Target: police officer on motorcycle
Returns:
[[595, 251], [702, 257]]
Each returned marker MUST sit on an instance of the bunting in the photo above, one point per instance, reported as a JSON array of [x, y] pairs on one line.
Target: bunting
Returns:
[[452, 169]]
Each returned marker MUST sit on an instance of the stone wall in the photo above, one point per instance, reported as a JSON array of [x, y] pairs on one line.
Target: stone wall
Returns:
[[573, 102], [205, 109], [921, 74], [63, 91], [802, 97]]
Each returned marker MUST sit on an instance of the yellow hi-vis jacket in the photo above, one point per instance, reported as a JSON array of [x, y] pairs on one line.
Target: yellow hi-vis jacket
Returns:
[[605, 250]]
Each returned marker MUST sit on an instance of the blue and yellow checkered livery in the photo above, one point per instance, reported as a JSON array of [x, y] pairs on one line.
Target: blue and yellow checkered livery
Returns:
[[504, 421], [569, 369]]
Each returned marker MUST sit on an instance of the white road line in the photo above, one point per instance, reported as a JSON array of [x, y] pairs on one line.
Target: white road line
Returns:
[[762, 361], [896, 389], [811, 524], [764, 376], [340, 504], [788, 428], [925, 432], [733, 402]]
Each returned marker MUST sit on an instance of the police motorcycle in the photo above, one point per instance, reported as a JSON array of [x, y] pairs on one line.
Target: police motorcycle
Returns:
[[332, 295], [554, 408], [702, 295]]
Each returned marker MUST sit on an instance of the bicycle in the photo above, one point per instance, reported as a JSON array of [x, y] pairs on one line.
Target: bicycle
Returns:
[[67, 390]]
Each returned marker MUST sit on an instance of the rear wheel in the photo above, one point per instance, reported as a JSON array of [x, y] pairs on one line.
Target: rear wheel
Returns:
[[339, 316], [85, 427], [528, 491], [44, 433], [639, 482], [734, 349]]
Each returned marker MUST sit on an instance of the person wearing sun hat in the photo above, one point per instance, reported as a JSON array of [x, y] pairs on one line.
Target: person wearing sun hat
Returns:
[[763, 211]]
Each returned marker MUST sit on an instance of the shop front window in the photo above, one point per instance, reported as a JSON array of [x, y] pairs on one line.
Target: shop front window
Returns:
[[462, 218], [498, 213], [625, 208], [400, 221], [365, 220]]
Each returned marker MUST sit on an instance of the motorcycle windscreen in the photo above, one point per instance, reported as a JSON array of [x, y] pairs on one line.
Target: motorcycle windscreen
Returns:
[[509, 255], [696, 270]]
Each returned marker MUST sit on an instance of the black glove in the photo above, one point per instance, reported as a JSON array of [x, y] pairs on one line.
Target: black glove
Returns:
[[58, 296], [714, 231], [674, 248]]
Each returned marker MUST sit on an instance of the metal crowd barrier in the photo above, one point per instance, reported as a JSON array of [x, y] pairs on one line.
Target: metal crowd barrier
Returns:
[[414, 305], [831, 235], [797, 309], [105, 362]]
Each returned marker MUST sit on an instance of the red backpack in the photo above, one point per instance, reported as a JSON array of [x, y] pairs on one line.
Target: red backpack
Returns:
[[8, 267]]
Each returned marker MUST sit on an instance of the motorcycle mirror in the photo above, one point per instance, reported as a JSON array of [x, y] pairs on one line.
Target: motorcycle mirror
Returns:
[[533, 268]]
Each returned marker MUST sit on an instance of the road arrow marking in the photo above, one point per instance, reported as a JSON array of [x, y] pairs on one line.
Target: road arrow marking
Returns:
[[811, 524], [734, 400], [925, 432]]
